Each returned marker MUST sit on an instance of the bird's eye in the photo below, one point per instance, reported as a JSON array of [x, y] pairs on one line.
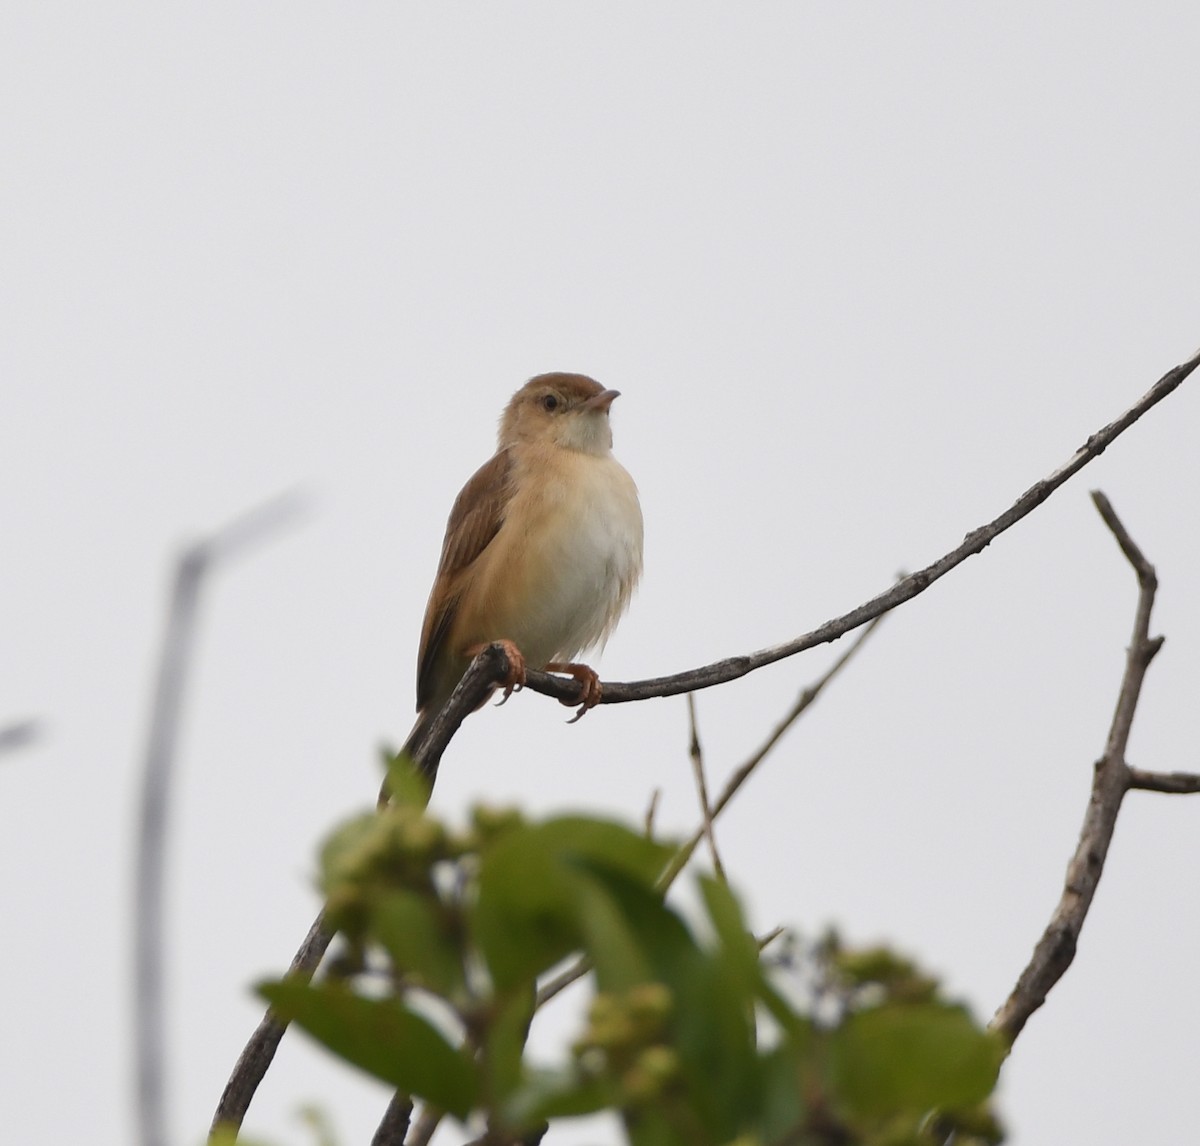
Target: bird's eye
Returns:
[[550, 402]]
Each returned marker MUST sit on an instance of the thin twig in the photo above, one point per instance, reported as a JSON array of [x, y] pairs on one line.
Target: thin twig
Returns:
[[1175, 783], [770, 937], [396, 1121], [175, 659], [697, 757], [746, 770], [427, 1122], [1110, 781], [252, 1064], [652, 811]]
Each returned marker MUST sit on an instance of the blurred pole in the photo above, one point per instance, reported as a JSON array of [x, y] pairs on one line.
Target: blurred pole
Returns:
[[161, 741], [174, 662]]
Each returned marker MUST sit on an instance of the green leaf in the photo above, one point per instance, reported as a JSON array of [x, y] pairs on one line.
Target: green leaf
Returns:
[[711, 1025], [229, 1136], [630, 933], [347, 851], [782, 1106], [608, 934], [528, 916], [404, 783], [506, 1034], [524, 919], [546, 1094], [715, 1036], [382, 1037], [651, 1126], [608, 843], [411, 928], [912, 1058], [739, 946]]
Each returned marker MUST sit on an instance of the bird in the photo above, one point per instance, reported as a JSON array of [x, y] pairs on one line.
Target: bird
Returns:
[[542, 551]]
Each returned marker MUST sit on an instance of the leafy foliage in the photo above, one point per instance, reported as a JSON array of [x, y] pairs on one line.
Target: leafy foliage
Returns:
[[695, 1042]]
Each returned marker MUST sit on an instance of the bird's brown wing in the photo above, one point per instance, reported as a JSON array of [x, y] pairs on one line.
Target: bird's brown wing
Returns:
[[475, 519]]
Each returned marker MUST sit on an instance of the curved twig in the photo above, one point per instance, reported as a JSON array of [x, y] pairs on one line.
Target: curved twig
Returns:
[[255, 1059], [908, 587]]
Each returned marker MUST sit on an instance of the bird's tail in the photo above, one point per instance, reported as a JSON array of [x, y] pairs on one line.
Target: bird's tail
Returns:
[[427, 772]]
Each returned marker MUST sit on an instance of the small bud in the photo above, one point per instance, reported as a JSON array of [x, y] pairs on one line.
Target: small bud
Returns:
[[650, 1001], [659, 1062], [491, 822]]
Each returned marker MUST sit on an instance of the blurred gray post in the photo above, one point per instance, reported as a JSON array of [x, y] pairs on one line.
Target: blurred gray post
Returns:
[[161, 740], [174, 662]]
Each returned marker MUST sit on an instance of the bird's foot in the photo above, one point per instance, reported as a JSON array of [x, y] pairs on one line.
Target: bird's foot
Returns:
[[515, 680], [590, 689]]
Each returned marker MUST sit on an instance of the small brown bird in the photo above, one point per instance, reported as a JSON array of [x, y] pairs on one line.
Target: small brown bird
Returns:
[[542, 550]]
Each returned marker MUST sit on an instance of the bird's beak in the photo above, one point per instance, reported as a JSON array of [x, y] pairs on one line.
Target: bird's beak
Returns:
[[601, 401]]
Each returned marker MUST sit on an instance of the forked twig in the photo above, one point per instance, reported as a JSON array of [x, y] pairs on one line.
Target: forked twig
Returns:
[[1112, 778]]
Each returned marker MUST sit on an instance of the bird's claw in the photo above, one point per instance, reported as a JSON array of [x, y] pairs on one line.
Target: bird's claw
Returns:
[[590, 689], [515, 680], [510, 687]]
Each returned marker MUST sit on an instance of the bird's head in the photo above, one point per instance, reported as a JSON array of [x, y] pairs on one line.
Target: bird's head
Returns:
[[568, 410]]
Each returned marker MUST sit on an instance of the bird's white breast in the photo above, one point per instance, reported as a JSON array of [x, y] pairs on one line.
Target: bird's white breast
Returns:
[[582, 556]]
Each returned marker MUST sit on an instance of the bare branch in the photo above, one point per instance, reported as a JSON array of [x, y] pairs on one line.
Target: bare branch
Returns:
[[396, 1120], [427, 1122], [697, 757], [1110, 781], [483, 674], [255, 1059], [976, 541], [1175, 783]]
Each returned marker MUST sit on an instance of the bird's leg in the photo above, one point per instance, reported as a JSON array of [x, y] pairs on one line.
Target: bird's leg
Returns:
[[516, 664], [589, 685]]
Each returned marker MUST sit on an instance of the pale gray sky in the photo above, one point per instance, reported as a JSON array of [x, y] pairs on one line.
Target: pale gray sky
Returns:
[[863, 273]]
